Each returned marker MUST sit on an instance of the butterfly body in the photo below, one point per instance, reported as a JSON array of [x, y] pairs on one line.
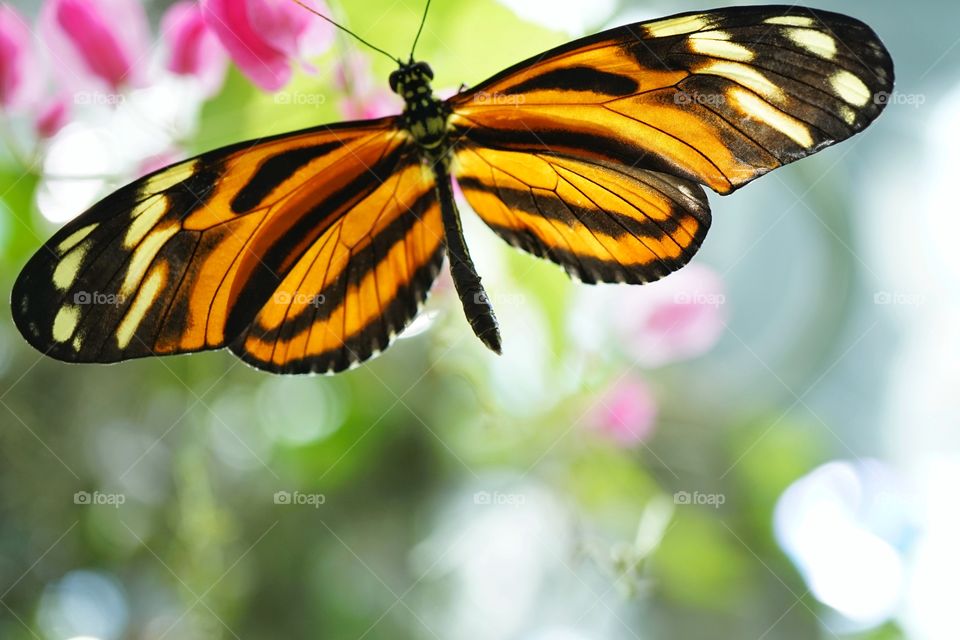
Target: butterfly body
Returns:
[[310, 251]]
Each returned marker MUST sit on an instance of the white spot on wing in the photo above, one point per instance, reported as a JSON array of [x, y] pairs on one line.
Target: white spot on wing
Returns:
[[791, 21], [676, 26], [743, 75], [754, 107], [850, 88], [145, 216], [169, 178], [69, 267], [75, 238], [65, 323], [720, 49], [816, 42], [143, 256], [141, 305]]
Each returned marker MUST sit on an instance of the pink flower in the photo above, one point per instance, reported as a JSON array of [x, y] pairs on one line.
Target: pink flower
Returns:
[[365, 97], [97, 44], [625, 413], [53, 116], [21, 74], [263, 36], [195, 50], [679, 317]]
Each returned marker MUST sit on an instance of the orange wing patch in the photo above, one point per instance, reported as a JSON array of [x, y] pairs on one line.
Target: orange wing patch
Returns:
[[601, 222], [357, 286]]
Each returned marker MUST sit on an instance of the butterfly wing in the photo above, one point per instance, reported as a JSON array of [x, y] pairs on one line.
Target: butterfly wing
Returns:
[[358, 284], [719, 98], [185, 259], [601, 221], [589, 153]]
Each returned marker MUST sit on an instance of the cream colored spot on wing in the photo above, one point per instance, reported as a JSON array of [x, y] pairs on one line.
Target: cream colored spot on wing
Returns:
[[791, 21], [743, 75], [850, 88], [816, 42], [77, 344], [145, 216], [143, 256], [676, 26], [169, 177], [147, 295], [712, 35], [849, 115], [65, 323], [754, 107], [720, 49], [69, 267], [75, 238]]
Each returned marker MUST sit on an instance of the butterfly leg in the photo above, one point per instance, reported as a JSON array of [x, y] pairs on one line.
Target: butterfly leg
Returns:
[[476, 304]]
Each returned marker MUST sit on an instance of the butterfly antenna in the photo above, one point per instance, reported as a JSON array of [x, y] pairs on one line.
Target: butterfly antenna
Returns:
[[347, 31], [423, 21]]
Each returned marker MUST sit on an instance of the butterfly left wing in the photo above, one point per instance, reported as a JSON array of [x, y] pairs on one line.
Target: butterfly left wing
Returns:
[[718, 97], [600, 221], [184, 260]]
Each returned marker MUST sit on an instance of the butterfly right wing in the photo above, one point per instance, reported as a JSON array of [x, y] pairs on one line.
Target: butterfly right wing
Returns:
[[184, 259]]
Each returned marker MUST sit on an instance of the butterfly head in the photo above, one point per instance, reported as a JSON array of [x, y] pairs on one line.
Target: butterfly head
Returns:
[[412, 80]]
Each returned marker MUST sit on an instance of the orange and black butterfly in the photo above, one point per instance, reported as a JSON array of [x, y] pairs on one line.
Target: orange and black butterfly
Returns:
[[310, 251]]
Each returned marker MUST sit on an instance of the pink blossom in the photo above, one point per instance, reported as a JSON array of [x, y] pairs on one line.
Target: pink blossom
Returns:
[[53, 116], [365, 97], [195, 50], [263, 36], [21, 74], [625, 413], [97, 44], [677, 318]]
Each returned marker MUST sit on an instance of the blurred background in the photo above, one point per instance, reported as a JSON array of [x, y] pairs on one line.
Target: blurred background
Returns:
[[763, 446]]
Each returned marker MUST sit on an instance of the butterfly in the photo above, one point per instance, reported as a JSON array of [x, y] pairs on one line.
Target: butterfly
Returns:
[[310, 251]]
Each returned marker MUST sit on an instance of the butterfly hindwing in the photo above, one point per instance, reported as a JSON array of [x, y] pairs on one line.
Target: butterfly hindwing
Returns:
[[601, 222], [182, 260], [717, 97], [358, 285]]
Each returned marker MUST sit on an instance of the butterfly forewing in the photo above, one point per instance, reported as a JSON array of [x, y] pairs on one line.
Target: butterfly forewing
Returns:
[[717, 97], [184, 259]]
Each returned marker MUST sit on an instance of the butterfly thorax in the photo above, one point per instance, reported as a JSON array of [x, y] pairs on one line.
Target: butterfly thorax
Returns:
[[424, 115]]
